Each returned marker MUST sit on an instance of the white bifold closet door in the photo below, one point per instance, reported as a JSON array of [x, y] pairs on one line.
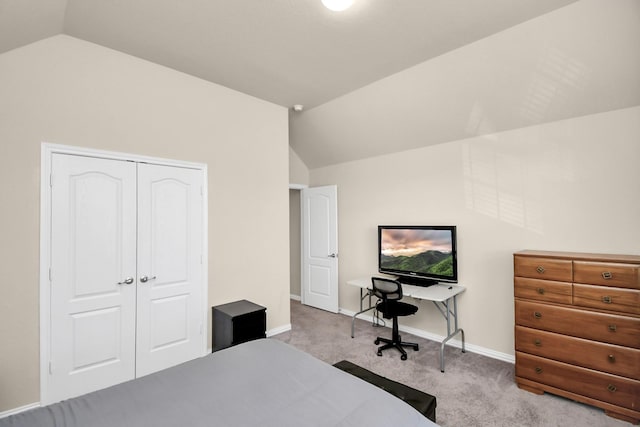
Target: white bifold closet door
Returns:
[[170, 299], [126, 273]]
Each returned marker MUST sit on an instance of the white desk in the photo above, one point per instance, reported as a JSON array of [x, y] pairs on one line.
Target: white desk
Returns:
[[442, 295]]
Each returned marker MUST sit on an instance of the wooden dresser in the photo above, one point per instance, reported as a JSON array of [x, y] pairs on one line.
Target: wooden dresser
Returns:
[[577, 332]]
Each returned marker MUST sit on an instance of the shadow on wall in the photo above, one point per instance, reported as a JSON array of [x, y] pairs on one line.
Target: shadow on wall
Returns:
[[506, 185]]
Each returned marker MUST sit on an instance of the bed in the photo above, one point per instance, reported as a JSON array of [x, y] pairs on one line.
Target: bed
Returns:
[[264, 383]]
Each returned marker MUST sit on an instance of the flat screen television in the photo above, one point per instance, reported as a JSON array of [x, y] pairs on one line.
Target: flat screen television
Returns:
[[419, 255]]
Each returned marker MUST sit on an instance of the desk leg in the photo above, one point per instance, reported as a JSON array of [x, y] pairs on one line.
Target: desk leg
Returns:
[[362, 297], [447, 315]]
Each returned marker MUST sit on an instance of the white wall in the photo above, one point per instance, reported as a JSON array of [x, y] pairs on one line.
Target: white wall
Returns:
[[298, 176], [298, 171], [571, 185], [295, 246], [66, 91]]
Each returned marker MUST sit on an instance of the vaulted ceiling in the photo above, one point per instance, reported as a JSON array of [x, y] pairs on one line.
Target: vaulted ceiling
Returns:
[[283, 51]]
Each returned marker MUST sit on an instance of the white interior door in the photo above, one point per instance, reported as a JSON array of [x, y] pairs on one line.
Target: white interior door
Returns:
[[170, 241], [319, 207], [92, 274]]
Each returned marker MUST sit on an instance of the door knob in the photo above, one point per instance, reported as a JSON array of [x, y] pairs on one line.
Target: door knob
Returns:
[[127, 281], [333, 255], [145, 279]]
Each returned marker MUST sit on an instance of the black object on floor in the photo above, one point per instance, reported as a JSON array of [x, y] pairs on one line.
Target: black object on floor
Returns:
[[422, 402], [237, 322]]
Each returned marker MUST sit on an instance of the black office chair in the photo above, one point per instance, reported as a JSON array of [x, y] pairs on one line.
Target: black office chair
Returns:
[[389, 293]]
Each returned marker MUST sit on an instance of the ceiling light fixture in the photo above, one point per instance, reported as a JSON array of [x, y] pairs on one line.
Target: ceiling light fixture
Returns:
[[337, 5]]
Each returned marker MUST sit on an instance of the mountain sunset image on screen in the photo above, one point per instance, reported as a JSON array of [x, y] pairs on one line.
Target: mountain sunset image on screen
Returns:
[[422, 251]]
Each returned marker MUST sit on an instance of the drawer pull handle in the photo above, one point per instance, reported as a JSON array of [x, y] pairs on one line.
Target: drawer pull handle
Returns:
[[537, 342], [613, 328], [606, 299], [537, 315], [612, 358], [612, 388], [540, 269], [541, 291], [606, 275], [538, 370]]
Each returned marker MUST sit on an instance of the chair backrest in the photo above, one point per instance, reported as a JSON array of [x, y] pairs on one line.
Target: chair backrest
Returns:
[[386, 289]]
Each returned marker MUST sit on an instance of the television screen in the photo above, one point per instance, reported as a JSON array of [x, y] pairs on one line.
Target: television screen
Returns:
[[426, 254]]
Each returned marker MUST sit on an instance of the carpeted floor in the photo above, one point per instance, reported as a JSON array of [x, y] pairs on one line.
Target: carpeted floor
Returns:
[[474, 391]]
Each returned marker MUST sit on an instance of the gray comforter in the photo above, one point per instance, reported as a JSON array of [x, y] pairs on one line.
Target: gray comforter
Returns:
[[263, 383]]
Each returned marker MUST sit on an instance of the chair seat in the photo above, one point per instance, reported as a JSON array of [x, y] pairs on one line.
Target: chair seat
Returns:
[[398, 308]]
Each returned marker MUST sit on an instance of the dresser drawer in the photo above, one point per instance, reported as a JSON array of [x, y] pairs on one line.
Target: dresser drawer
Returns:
[[609, 388], [607, 274], [607, 298], [610, 328], [614, 359], [543, 268], [543, 290]]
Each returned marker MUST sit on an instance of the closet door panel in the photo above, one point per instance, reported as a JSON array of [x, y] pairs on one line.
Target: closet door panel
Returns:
[[93, 240], [170, 238]]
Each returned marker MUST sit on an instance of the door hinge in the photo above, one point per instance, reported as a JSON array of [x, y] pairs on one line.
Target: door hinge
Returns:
[[51, 180], [50, 368], [50, 274]]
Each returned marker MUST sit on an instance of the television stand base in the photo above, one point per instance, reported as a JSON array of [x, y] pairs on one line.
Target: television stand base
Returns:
[[416, 281]]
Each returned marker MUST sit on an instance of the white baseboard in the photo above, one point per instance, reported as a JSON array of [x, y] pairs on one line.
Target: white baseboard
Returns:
[[278, 330], [270, 333], [438, 338], [20, 409], [295, 297]]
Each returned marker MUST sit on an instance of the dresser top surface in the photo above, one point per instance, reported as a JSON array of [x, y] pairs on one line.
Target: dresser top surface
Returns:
[[581, 256]]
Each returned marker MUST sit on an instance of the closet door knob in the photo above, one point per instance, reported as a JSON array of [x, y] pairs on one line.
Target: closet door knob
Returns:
[[145, 279], [127, 281]]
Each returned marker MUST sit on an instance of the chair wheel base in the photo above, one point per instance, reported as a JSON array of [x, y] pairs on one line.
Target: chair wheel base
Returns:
[[397, 344]]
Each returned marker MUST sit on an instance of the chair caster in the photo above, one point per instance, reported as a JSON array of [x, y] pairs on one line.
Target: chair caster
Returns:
[[379, 353], [376, 342], [403, 357]]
